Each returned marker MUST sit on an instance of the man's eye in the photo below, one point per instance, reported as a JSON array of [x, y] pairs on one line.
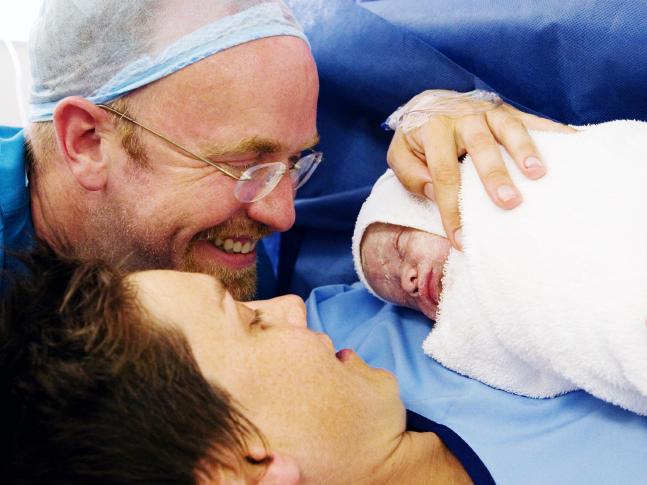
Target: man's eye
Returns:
[[293, 160], [241, 166]]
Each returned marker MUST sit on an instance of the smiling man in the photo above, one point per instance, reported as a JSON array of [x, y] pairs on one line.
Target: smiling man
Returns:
[[153, 176]]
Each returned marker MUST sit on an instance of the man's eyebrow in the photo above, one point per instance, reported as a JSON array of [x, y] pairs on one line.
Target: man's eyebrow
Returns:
[[313, 141], [253, 144]]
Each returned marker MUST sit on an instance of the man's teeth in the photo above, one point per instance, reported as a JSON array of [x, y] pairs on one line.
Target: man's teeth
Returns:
[[231, 246]]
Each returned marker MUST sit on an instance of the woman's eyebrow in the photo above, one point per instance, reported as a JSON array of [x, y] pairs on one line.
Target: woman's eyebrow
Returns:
[[257, 318]]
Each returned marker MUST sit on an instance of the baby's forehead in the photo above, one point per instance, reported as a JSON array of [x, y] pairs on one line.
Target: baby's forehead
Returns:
[[427, 220]]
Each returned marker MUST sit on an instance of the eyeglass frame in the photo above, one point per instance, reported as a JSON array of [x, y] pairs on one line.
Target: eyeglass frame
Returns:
[[243, 177]]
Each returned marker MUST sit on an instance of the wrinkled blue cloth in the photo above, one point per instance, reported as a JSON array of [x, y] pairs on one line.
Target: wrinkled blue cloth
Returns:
[[16, 232], [577, 62], [574, 438]]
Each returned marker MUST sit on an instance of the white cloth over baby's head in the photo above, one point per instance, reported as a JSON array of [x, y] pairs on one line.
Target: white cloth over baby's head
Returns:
[[391, 203]]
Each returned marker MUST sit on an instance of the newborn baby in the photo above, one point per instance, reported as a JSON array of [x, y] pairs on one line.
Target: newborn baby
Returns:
[[405, 265], [545, 299]]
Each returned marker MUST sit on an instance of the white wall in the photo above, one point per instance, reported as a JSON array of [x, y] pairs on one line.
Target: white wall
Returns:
[[9, 106], [15, 22]]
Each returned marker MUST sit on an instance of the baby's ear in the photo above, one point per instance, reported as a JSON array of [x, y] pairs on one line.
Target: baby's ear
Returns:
[[281, 469]]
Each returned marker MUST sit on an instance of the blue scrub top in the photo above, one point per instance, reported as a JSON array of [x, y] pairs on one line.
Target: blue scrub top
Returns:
[[574, 438], [472, 464], [16, 231]]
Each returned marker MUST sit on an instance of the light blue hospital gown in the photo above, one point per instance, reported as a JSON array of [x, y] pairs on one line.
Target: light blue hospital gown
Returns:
[[16, 232], [572, 439]]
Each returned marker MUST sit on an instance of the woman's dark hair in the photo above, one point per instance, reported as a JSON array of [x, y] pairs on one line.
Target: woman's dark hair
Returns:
[[94, 391]]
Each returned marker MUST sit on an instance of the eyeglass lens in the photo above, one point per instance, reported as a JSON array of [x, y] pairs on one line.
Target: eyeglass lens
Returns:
[[260, 180], [304, 169]]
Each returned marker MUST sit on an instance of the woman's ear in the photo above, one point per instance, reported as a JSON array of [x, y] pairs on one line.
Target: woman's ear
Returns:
[[79, 126]]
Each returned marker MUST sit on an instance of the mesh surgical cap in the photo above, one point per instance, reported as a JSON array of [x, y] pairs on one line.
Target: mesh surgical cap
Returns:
[[103, 49]]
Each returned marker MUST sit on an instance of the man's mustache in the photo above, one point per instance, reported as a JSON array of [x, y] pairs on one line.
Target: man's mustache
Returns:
[[235, 228]]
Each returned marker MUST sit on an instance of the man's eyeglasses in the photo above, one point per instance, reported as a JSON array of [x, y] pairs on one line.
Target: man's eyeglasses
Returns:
[[255, 182]]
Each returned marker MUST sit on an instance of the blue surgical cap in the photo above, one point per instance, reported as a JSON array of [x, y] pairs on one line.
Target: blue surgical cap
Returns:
[[104, 49]]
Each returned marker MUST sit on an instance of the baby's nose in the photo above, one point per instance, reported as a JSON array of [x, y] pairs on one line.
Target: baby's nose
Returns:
[[409, 280]]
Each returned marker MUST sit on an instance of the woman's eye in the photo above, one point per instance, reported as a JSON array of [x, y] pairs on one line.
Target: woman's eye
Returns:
[[293, 160], [257, 320]]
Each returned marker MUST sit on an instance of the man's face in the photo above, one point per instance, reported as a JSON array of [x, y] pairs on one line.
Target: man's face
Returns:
[[250, 104], [405, 265], [320, 407]]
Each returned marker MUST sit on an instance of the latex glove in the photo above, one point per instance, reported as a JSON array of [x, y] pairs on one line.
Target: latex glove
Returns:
[[424, 155]]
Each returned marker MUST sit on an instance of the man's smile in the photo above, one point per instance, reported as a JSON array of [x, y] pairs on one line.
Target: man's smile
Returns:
[[242, 245]]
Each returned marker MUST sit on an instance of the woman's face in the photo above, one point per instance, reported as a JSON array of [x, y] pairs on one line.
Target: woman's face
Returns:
[[316, 405], [405, 265]]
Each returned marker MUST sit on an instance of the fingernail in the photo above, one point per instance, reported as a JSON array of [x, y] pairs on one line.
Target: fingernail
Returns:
[[532, 162], [458, 238], [429, 191], [506, 193]]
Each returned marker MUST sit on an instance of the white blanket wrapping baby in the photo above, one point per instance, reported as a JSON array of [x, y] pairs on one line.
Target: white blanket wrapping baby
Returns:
[[552, 296]]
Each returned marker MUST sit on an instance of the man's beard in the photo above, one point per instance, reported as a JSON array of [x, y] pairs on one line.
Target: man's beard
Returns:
[[120, 242], [240, 283], [114, 238]]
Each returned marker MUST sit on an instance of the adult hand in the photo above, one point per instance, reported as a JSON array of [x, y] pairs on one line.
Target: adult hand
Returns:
[[425, 159]]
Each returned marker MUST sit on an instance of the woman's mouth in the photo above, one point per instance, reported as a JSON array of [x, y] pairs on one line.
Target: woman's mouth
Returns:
[[344, 354]]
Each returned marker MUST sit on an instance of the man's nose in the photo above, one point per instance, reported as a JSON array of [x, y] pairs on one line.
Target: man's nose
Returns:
[[283, 310], [276, 209]]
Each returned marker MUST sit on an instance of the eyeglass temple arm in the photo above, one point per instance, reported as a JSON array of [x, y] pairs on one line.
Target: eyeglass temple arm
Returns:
[[176, 145]]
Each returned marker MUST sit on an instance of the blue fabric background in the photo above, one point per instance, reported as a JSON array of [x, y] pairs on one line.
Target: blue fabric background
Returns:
[[578, 62], [16, 232]]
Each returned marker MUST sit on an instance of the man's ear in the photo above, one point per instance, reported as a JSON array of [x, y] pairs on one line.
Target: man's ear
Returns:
[[281, 469], [80, 126]]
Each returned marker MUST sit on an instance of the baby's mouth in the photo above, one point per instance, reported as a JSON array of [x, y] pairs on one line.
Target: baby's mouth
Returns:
[[433, 287]]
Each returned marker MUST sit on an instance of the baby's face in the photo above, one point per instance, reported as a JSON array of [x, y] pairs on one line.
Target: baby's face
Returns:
[[405, 265]]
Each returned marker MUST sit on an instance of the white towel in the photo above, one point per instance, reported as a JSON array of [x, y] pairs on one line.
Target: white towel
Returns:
[[552, 296]]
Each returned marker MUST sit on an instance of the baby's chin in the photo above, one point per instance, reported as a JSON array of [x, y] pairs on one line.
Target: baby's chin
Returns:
[[429, 312], [428, 309]]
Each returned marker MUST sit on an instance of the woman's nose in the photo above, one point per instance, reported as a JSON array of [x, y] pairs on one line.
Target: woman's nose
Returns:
[[286, 310]]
